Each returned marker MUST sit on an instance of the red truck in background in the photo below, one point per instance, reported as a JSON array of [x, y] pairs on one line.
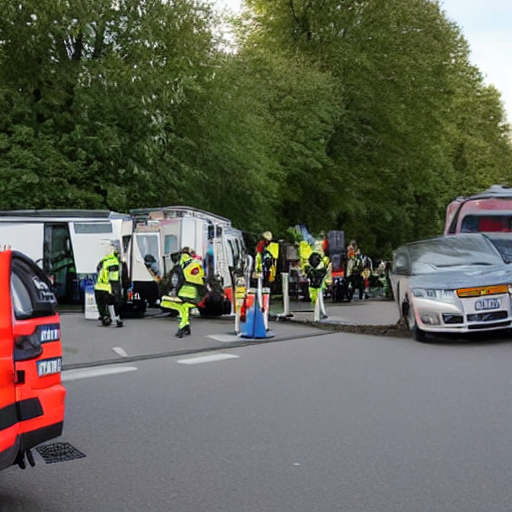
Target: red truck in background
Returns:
[[487, 211], [31, 393]]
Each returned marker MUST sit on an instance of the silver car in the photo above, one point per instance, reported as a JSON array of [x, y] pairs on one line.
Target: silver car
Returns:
[[454, 284]]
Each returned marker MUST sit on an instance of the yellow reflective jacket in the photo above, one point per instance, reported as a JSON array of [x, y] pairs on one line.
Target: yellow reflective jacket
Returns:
[[109, 270], [192, 289]]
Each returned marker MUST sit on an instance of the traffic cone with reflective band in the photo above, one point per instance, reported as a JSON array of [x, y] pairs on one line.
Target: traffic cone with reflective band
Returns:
[[254, 326]]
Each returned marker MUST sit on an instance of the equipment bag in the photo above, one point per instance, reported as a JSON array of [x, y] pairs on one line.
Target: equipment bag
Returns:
[[316, 277], [172, 282]]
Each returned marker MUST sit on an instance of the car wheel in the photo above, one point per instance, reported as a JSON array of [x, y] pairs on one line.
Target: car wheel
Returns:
[[417, 333]]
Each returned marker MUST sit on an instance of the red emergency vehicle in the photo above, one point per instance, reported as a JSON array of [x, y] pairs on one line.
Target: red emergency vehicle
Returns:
[[488, 211], [31, 393]]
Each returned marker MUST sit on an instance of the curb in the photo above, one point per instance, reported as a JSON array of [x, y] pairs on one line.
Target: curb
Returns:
[[396, 330]]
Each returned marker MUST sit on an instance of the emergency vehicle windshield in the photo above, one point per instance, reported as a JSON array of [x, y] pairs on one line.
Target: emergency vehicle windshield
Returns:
[[486, 223]]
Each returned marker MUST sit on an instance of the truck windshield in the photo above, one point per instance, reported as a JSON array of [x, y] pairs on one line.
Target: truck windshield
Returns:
[[486, 223]]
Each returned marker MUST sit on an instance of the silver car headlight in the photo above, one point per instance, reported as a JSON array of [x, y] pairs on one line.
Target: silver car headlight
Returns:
[[440, 295]]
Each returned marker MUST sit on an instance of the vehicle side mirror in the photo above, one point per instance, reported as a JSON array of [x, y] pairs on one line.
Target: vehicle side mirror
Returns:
[[400, 265]]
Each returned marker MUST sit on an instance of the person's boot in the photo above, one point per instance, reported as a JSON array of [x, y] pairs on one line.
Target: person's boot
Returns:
[[113, 316], [186, 329], [105, 322], [179, 333]]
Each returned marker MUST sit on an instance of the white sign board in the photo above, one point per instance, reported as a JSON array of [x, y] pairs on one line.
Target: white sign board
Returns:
[[91, 309]]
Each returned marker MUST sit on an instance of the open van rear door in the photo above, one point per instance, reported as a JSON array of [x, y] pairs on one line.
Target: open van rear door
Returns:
[[31, 329]]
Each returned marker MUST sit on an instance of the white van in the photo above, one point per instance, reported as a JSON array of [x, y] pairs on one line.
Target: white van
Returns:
[[160, 233], [66, 244]]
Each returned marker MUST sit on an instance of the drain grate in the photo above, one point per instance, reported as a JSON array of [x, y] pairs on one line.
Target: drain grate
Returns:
[[59, 452]]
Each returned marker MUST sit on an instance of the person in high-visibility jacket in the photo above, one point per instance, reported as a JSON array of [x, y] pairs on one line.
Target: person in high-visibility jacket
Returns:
[[107, 290], [265, 264], [189, 289], [265, 241], [316, 271]]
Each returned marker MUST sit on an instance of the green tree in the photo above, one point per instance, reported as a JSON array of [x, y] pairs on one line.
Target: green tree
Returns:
[[106, 84], [402, 70]]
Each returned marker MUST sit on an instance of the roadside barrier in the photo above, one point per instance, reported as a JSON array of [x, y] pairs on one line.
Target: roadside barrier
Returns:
[[286, 296], [319, 305]]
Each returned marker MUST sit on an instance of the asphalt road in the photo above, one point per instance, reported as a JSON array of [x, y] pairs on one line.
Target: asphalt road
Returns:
[[339, 422]]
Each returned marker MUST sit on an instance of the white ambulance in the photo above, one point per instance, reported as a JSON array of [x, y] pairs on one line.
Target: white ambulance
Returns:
[[160, 233], [66, 244]]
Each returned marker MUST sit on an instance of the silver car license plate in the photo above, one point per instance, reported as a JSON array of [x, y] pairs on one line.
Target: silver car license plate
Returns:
[[487, 304]]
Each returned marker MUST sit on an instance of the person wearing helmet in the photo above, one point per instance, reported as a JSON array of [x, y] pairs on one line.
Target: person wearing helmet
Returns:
[[188, 291], [264, 259], [107, 290], [266, 238], [316, 272]]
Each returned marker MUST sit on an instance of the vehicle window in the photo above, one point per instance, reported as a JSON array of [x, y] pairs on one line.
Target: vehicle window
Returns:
[[504, 246], [148, 247], [233, 256], [126, 242], [31, 290], [92, 227], [400, 265], [235, 248], [453, 251], [214, 231], [170, 244], [486, 223], [21, 301]]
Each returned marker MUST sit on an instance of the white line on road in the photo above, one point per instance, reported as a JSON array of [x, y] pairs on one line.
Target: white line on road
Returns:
[[206, 359], [224, 338], [120, 351], [95, 372]]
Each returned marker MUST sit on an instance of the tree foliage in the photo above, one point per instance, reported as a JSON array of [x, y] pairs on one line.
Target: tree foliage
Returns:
[[399, 146], [359, 115]]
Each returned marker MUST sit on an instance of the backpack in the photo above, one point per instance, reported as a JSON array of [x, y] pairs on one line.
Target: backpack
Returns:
[[314, 259], [172, 282]]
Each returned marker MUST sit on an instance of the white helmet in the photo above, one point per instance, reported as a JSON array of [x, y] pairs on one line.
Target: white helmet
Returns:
[[111, 246], [115, 246]]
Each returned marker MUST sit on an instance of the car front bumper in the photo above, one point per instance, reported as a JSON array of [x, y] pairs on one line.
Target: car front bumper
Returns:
[[462, 316]]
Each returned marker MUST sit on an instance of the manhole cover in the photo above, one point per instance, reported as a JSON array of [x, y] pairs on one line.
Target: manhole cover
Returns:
[[59, 452]]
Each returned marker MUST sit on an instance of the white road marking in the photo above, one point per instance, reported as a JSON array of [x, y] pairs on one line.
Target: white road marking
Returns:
[[120, 351], [206, 359], [224, 338], [87, 373]]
